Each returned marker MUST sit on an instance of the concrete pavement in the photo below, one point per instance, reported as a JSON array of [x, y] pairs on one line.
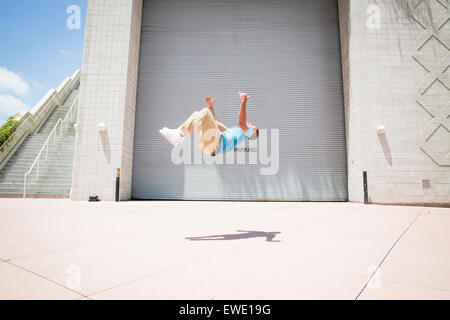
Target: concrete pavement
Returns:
[[59, 249]]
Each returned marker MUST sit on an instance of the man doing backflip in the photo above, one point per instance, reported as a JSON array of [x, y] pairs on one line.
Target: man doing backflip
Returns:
[[213, 137]]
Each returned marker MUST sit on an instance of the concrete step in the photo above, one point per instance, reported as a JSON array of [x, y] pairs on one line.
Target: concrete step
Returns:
[[32, 154], [42, 183], [66, 139], [61, 144], [51, 148], [53, 121], [43, 169], [23, 162], [43, 165], [44, 136], [43, 178], [59, 111], [59, 154], [35, 195], [63, 169], [26, 157], [32, 179], [55, 117], [60, 141], [65, 190], [63, 158], [18, 174], [42, 173], [50, 174], [64, 146], [53, 125], [68, 144], [60, 189], [65, 133], [36, 136], [38, 187], [19, 183], [40, 142]]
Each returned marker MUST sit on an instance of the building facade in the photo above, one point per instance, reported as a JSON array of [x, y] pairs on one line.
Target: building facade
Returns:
[[340, 87]]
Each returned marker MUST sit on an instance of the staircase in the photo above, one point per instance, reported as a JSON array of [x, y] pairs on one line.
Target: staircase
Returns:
[[55, 173]]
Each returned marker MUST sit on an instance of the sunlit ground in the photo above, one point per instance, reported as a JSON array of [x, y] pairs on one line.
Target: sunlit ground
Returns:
[[58, 249]]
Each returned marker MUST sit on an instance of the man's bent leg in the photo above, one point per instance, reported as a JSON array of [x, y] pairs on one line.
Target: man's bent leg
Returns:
[[189, 125], [176, 136], [208, 132]]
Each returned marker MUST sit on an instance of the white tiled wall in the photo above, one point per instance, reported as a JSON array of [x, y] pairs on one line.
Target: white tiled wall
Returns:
[[107, 95], [382, 84]]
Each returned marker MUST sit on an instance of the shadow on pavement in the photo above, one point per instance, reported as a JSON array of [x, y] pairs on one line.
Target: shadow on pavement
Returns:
[[242, 235]]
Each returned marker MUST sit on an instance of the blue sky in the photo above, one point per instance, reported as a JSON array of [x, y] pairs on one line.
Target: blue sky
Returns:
[[37, 50]]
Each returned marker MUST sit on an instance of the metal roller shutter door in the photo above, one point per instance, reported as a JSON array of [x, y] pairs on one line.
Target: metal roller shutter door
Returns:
[[285, 53]]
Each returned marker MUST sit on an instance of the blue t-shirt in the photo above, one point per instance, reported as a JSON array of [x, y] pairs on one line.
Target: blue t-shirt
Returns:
[[232, 137]]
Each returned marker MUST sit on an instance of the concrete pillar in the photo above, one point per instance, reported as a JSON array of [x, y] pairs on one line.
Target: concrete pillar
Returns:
[[108, 96]]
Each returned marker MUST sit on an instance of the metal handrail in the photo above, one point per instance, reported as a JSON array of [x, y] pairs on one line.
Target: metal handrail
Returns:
[[61, 123]]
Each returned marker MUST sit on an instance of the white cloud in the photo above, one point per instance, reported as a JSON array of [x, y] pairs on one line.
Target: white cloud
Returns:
[[12, 83], [64, 52], [13, 91], [10, 105]]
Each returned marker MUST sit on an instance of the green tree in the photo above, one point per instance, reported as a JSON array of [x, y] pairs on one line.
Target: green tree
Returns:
[[8, 128]]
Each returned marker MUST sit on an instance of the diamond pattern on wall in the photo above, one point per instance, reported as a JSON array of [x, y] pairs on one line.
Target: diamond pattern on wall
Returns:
[[435, 32]]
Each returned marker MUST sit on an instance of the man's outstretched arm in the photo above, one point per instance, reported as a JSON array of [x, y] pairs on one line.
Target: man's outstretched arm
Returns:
[[210, 104], [243, 112]]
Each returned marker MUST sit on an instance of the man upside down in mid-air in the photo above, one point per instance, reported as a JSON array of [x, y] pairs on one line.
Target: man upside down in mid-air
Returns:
[[213, 137]]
